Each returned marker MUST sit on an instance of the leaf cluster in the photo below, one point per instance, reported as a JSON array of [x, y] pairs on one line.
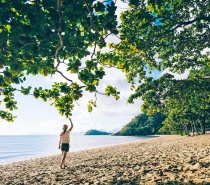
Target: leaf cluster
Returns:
[[37, 37]]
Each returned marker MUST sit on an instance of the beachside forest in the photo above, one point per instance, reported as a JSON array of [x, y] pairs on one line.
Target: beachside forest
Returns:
[[41, 37], [143, 124]]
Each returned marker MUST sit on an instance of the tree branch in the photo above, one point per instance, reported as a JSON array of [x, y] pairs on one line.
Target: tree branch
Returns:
[[100, 92], [59, 3], [91, 16], [93, 51], [95, 96], [64, 76], [205, 78], [77, 103], [1, 89], [187, 23], [36, 42]]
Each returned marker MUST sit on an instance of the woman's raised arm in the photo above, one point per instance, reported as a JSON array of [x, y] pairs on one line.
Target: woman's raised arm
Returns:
[[71, 124]]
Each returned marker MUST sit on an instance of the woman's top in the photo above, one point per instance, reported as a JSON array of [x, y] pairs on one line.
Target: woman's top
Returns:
[[65, 138]]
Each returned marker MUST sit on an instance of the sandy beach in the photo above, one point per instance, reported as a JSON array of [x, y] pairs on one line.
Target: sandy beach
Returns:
[[163, 160]]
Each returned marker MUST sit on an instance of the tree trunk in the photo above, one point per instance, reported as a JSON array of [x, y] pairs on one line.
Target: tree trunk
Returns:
[[195, 127], [204, 125], [182, 129], [193, 131], [185, 129], [201, 126]]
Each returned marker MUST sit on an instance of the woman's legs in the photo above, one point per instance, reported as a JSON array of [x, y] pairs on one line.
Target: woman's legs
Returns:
[[61, 158], [63, 161]]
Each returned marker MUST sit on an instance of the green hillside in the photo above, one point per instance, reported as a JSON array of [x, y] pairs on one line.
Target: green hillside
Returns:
[[143, 125]]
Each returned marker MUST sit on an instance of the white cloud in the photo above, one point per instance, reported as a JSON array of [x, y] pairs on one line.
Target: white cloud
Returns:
[[206, 51], [176, 75], [121, 6], [112, 39]]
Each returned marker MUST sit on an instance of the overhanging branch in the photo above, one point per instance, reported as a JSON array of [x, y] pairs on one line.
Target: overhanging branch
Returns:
[[59, 4], [180, 24], [64, 76]]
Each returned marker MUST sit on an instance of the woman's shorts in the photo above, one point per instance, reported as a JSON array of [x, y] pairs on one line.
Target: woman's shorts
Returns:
[[65, 147]]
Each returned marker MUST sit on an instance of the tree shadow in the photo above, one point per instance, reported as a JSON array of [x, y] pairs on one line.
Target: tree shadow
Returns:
[[183, 183], [135, 182]]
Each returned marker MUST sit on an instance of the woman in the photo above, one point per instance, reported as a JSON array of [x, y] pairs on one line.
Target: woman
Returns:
[[64, 143]]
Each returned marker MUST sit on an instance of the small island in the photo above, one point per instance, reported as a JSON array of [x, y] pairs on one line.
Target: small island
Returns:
[[96, 132]]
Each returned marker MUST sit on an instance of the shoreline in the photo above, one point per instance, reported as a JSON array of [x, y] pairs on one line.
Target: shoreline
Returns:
[[160, 160], [78, 150]]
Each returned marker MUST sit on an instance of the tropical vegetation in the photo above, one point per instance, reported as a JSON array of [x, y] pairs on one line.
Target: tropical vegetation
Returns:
[[143, 125], [173, 37], [96, 132]]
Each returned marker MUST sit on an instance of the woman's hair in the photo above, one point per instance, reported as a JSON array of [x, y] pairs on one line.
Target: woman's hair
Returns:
[[65, 127]]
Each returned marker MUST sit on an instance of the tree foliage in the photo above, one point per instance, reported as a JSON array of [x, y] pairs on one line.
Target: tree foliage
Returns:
[[96, 132], [38, 37], [143, 125], [171, 36]]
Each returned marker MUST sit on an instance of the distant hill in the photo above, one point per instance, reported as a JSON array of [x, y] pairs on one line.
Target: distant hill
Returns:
[[96, 132], [143, 125]]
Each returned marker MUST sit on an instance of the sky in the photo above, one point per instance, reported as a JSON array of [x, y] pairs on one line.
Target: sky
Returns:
[[37, 117]]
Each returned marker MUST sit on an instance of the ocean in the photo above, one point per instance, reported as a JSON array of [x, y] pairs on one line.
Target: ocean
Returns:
[[22, 147]]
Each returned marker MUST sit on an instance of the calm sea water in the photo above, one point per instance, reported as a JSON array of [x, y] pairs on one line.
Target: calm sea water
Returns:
[[16, 148]]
